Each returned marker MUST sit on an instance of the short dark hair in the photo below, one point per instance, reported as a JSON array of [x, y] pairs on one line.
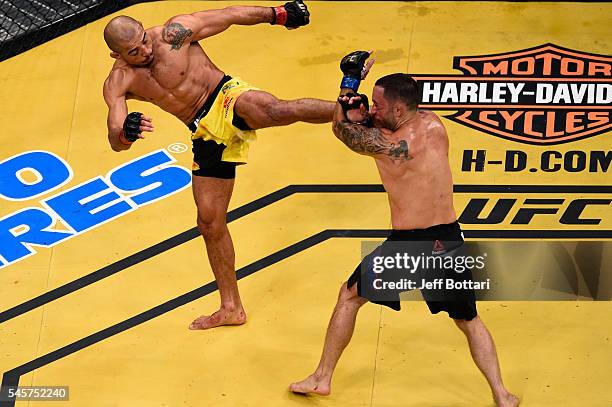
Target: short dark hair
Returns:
[[400, 86]]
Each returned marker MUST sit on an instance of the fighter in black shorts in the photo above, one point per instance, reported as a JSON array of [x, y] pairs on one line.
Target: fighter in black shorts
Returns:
[[410, 147]]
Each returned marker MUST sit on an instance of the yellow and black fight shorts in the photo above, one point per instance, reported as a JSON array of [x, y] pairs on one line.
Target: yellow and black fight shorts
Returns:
[[220, 137]]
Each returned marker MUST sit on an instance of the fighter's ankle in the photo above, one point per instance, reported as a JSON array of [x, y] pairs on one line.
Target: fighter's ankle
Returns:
[[501, 395], [321, 376], [231, 306]]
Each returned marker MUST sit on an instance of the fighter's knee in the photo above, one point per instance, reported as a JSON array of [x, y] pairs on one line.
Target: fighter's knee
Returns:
[[211, 225], [461, 324], [348, 295], [466, 325]]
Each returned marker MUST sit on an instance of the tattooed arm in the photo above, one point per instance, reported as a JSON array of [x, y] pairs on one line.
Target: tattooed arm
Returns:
[[366, 140], [188, 28]]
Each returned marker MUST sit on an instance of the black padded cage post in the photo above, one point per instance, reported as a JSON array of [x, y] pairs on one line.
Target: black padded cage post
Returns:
[[24, 24]]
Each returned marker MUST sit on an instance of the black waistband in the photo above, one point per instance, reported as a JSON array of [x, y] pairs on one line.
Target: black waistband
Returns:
[[193, 126], [449, 230]]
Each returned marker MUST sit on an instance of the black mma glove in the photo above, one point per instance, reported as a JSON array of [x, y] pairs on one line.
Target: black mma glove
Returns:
[[131, 126], [352, 66], [356, 104], [292, 14]]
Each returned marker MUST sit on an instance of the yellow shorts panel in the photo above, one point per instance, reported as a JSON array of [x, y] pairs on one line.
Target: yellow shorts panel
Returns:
[[218, 125]]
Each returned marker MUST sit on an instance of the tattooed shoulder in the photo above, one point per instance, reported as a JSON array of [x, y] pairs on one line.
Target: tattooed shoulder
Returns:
[[175, 34], [400, 151], [370, 141]]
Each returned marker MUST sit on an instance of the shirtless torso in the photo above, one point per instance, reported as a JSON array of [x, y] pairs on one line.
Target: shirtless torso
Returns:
[[165, 65], [419, 187], [411, 153], [177, 80]]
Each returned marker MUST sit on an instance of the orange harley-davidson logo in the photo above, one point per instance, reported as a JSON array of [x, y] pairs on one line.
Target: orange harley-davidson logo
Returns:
[[542, 95]]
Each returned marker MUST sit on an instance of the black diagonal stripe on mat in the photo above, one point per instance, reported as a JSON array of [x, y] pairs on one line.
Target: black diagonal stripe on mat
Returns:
[[11, 377], [175, 241], [283, 193]]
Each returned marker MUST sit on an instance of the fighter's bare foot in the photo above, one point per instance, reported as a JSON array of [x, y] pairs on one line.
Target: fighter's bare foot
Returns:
[[509, 400], [312, 385], [219, 318]]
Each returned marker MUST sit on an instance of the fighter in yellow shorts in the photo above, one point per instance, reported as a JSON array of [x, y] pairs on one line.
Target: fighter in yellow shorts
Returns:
[[166, 66]]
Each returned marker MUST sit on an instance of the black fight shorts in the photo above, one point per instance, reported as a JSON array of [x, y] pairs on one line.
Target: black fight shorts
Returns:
[[207, 159], [439, 240]]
